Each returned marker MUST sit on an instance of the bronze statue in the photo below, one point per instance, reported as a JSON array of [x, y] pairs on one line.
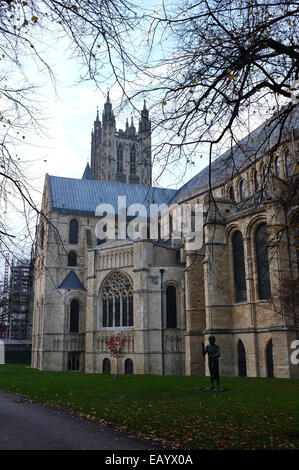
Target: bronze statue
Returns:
[[213, 352]]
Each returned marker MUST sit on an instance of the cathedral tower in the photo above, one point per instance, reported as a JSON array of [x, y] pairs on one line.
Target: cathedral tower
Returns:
[[121, 155]]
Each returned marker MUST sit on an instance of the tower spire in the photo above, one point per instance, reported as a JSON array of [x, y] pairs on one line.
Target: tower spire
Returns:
[[144, 122], [108, 116]]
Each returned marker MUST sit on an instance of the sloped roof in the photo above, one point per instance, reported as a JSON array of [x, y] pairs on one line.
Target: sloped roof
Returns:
[[236, 159], [112, 244], [87, 175], [82, 196], [71, 281]]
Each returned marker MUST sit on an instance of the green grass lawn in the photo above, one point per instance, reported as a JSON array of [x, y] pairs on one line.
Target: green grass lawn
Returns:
[[254, 413]]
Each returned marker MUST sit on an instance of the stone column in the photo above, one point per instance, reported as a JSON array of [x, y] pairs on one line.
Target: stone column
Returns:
[[90, 315], [143, 307], [195, 314], [218, 285]]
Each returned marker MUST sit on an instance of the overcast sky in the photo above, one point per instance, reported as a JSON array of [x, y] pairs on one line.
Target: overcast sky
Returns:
[[62, 147]]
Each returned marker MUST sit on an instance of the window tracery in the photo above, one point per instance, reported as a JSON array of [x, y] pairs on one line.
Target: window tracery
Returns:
[[117, 301]]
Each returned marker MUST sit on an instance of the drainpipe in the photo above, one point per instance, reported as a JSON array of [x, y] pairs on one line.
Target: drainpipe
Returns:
[[162, 324]]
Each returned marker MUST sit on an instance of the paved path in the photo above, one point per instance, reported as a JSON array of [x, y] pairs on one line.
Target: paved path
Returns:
[[29, 426]]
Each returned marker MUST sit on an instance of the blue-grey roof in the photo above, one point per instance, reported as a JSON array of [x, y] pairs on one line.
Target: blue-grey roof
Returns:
[[71, 281], [87, 175], [240, 156], [82, 196]]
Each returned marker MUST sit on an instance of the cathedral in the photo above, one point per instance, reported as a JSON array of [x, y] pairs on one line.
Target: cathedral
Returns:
[[163, 296]]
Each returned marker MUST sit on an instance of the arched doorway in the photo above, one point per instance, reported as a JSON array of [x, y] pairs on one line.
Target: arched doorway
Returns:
[[242, 370], [128, 367], [106, 366]]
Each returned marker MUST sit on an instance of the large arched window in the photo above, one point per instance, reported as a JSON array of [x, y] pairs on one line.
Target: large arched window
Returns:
[[74, 316], [120, 159], [133, 160], [117, 301], [171, 313], [242, 370], [73, 232], [239, 267], [262, 262], [72, 259]]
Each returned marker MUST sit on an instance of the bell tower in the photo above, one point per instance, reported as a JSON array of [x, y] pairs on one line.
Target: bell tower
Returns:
[[122, 156]]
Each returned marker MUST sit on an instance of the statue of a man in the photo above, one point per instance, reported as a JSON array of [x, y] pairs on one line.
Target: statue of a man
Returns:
[[213, 352]]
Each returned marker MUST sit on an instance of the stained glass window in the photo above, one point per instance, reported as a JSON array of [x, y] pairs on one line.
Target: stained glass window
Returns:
[[74, 316], [171, 313], [117, 301], [262, 262], [239, 267], [73, 232]]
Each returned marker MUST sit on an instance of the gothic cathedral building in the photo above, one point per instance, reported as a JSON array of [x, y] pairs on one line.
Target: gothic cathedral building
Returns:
[[162, 296]]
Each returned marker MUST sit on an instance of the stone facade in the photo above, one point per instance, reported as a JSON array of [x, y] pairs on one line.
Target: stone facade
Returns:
[[178, 296]]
